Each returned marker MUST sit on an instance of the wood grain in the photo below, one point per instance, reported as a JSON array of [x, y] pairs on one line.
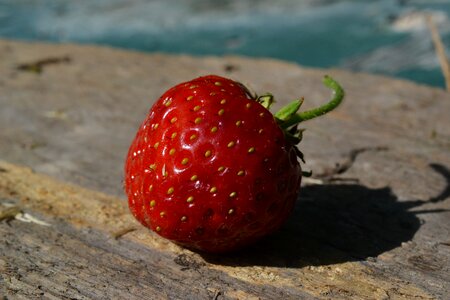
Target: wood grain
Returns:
[[373, 222], [78, 257]]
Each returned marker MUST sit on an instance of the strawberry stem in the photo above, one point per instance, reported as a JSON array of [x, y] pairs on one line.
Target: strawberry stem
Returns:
[[338, 96]]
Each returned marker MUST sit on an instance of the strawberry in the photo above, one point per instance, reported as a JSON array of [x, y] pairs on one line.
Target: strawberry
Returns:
[[212, 169]]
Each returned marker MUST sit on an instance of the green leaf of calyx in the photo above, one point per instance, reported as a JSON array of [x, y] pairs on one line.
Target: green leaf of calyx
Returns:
[[286, 112], [266, 100]]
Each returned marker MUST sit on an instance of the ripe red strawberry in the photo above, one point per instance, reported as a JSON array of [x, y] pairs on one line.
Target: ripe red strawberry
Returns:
[[212, 169]]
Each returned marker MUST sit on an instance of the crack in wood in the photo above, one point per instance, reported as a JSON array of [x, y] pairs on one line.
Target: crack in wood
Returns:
[[348, 161], [444, 172], [10, 213], [188, 262], [216, 295], [38, 66]]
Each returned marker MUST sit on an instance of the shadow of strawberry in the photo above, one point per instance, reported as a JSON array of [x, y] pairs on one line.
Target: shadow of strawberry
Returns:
[[335, 223]]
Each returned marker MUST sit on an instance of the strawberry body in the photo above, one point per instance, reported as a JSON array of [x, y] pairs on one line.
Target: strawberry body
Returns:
[[210, 168]]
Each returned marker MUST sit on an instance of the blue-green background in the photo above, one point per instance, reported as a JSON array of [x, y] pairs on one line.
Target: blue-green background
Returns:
[[360, 35]]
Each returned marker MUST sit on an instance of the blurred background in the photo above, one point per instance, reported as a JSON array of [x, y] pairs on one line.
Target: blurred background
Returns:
[[387, 37]]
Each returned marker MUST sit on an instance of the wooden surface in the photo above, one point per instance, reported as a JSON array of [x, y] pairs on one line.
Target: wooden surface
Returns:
[[377, 226]]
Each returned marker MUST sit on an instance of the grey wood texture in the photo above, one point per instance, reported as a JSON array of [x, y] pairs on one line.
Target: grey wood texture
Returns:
[[372, 223]]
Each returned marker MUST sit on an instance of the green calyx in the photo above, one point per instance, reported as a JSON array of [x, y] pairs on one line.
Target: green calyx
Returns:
[[266, 100], [288, 117]]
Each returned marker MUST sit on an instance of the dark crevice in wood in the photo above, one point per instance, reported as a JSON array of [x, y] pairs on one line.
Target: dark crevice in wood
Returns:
[[347, 162], [38, 66]]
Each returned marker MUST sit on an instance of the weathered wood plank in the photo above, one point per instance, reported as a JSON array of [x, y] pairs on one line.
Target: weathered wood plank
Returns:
[[76, 256], [380, 229]]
